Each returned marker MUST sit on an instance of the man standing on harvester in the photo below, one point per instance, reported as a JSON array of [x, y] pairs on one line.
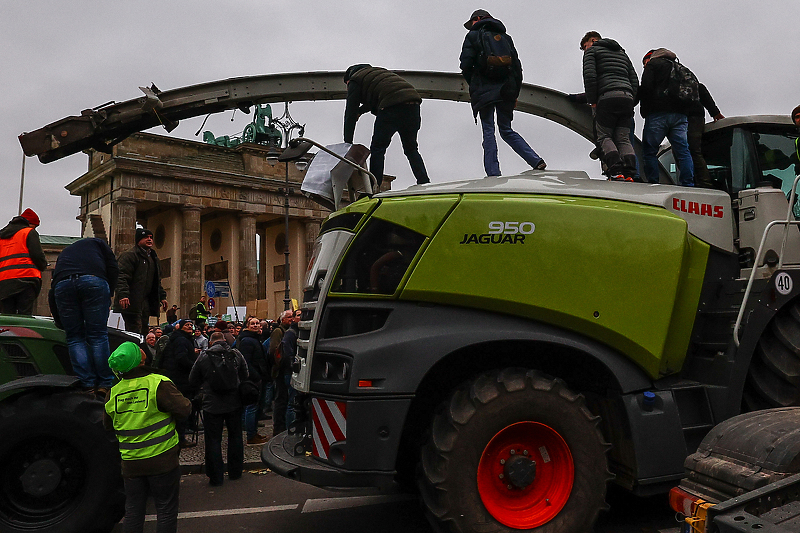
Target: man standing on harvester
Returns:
[[395, 104]]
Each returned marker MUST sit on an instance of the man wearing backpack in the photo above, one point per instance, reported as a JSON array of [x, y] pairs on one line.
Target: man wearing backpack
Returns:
[[491, 66], [218, 372], [664, 110]]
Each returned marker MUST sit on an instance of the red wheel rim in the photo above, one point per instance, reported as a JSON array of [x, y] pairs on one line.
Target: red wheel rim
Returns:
[[529, 503]]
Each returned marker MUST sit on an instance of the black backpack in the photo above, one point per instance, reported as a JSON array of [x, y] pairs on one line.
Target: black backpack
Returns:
[[224, 372], [495, 60], [682, 87]]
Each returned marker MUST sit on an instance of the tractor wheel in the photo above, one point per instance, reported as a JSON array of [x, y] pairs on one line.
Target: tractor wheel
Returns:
[[773, 379], [61, 469], [514, 450]]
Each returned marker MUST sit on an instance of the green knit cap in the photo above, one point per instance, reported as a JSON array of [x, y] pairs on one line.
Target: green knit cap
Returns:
[[125, 358]]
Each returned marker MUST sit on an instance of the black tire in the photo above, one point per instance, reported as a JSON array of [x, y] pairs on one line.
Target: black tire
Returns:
[[773, 379], [60, 469], [481, 409]]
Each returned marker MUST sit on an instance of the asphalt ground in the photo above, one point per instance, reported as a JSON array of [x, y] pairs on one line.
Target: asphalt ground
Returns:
[[264, 502]]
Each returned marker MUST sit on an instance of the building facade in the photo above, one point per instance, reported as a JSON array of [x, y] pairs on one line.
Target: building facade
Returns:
[[217, 214]]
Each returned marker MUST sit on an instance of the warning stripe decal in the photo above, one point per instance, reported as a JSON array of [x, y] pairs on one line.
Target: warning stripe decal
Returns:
[[329, 425]]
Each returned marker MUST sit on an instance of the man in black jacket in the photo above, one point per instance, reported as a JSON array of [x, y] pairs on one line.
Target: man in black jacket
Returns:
[[139, 294], [85, 272], [395, 104], [664, 116], [696, 115], [22, 261], [611, 85], [176, 362], [489, 92], [249, 343], [220, 407]]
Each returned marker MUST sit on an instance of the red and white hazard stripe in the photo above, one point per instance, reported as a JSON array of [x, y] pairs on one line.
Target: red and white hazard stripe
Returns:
[[329, 425]]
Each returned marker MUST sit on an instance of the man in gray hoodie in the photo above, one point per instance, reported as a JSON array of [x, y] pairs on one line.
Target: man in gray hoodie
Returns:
[[611, 88]]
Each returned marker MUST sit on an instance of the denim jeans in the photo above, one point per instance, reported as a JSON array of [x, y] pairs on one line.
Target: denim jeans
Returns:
[[404, 119], [505, 114], [674, 127], [164, 488], [251, 420], [215, 467], [83, 303]]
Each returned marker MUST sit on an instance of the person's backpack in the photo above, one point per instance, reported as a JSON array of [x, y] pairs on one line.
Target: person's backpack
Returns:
[[682, 86], [224, 375], [495, 60], [193, 313]]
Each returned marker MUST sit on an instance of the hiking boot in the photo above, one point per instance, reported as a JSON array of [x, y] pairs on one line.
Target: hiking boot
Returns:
[[618, 177], [596, 153], [256, 440], [541, 166]]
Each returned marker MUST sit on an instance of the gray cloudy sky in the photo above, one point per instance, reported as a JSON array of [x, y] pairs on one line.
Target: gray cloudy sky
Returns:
[[60, 57]]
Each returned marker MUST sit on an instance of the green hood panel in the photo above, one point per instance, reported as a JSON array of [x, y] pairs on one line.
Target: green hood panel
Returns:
[[422, 215], [628, 275]]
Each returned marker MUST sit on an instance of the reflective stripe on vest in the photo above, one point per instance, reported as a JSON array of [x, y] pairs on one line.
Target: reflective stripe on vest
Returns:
[[201, 315], [141, 429], [15, 260]]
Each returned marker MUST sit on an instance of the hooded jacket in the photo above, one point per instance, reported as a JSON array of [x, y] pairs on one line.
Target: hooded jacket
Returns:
[[373, 89], [655, 80], [199, 378], [9, 287], [178, 359], [482, 90], [606, 67]]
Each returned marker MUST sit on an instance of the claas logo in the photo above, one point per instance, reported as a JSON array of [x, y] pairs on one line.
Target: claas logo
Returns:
[[697, 208]]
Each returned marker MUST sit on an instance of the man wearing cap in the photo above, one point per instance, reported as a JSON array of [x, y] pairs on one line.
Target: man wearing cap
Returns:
[[494, 88], [395, 104], [142, 409], [139, 294], [22, 261], [80, 296]]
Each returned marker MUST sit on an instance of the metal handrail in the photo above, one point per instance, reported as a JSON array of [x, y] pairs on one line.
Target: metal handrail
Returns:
[[786, 223]]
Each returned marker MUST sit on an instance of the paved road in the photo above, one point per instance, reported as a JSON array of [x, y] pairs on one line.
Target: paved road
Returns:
[[263, 502]]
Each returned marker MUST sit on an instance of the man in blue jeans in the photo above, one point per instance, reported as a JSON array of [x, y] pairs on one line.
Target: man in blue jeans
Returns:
[[663, 117], [80, 299], [494, 88]]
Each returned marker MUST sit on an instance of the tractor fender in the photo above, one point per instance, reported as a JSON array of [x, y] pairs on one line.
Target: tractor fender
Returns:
[[37, 382]]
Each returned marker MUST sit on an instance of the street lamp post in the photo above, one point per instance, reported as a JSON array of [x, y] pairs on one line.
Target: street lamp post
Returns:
[[287, 301]]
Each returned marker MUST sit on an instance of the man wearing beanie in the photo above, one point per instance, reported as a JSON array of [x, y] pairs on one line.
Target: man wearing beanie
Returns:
[[22, 261], [139, 294], [142, 409], [396, 106]]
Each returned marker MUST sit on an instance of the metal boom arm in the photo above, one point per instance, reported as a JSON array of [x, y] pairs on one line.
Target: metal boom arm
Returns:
[[102, 127]]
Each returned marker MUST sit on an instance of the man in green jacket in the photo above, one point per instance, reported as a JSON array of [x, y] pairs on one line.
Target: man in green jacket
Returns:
[[142, 409], [395, 104]]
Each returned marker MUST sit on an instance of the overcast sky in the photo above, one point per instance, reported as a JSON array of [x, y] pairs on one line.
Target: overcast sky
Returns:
[[60, 57]]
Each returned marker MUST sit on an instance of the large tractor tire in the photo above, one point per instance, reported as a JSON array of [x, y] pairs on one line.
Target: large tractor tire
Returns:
[[773, 379], [514, 450], [60, 469]]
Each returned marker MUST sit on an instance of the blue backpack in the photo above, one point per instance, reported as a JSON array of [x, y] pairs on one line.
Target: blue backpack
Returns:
[[495, 60]]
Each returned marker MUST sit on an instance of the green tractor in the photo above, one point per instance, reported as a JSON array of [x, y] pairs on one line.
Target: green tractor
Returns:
[[60, 469]]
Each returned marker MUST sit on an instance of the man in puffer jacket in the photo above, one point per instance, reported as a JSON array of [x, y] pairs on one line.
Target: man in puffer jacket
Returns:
[[498, 93], [395, 104], [611, 87]]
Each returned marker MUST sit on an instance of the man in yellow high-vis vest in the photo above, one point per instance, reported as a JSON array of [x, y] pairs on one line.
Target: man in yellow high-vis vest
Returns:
[[142, 409]]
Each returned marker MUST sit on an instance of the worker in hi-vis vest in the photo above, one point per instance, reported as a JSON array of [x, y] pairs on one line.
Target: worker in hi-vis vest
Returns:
[[142, 409]]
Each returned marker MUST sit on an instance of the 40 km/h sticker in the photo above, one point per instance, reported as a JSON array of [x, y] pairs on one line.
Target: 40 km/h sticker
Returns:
[[783, 282]]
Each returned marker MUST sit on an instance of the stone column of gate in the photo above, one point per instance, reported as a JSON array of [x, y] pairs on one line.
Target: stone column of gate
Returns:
[[248, 283], [191, 267], [123, 225]]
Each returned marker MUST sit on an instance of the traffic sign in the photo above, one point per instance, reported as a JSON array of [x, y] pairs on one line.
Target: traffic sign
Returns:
[[211, 303], [210, 289], [220, 289]]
